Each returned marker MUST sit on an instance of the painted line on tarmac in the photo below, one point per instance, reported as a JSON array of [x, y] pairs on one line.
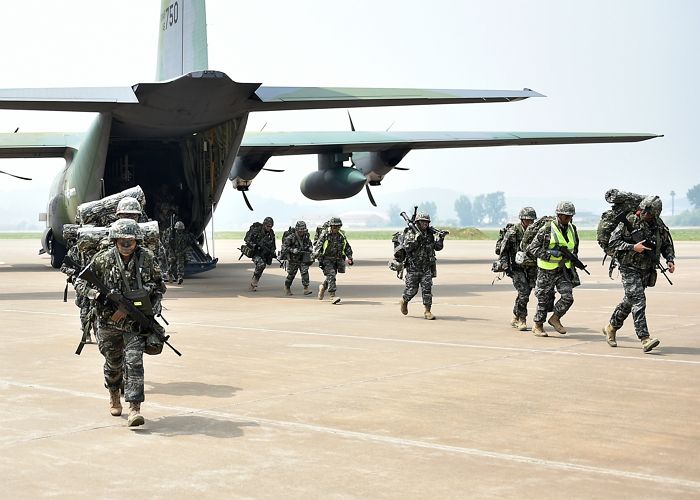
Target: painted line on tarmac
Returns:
[[651, 357], [394, 441]]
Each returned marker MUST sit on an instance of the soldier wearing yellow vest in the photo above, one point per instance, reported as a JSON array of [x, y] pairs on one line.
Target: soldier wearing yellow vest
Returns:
[[554, 270], [332, 248]]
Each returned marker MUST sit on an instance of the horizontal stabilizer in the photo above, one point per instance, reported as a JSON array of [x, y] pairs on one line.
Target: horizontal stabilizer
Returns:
[[38, 145], [300, 143], [286, 98], [85, 99]]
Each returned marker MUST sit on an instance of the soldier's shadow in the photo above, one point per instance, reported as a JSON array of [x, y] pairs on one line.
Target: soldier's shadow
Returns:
[[663, 350], [192, 389], [351, 302], [188, 425]]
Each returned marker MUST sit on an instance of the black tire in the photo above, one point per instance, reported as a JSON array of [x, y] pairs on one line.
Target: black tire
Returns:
[[58, 253]]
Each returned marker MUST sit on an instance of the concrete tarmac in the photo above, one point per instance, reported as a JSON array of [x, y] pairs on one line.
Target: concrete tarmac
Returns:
[[290, 397]]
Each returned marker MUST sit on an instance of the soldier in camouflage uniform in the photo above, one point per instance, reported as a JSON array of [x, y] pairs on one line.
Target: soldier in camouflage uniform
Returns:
[[87, 317], [420, 267], [523, 268], [179, 241], [124, 266], [555, 271], [332, 248], [297, 249], [637, 263], [264, 248]]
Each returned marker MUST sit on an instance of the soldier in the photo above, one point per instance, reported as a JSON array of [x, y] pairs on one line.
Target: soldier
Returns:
[[297, 249], [82, 259], [555, 271], [523, 267], [332, 248], [261, 238], [127, 267], [420, 267], [637, 266], [130, 208], [178, 242]]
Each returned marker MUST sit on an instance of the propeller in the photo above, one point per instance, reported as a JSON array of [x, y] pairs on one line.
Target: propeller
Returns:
[[352, 163], [369, 195], [271, 169], [245, 198], [17, 176]]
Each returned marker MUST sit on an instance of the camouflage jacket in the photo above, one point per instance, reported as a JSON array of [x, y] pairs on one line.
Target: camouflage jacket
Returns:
[[539, 245], [263, 242], [177, 242], [420, 249], [107, 269], [333, 246], [293, 247], [657, 237], [514, 237]]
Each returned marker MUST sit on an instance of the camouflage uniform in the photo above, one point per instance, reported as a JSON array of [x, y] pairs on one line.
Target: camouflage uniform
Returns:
[[332, 250], [297, 251], [179, 242], [87, 316], [119, 341], [638, 269], [561, 278], [420, 264], [524, 275], [263, 242]]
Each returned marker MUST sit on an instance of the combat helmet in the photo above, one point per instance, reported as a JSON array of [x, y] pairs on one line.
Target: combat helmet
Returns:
[[651, 204], [423, 216], [179, 225], [335, 221], [565, 208], [527, 213], [300, 226], [128, 206], [125, 228], [268, 220]]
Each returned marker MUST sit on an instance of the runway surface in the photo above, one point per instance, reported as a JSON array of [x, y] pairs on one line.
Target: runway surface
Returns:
[[290, 397]]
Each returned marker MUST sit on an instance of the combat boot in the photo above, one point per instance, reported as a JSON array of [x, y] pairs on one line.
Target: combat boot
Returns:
[[334, 299], [521, 325], [135, 419], [538, 330], [115, 404], [253, 285], [556, 324], [648, 343], [321, 290], [427, 314], [288, 291], [610, 333], [514, 322], [179, 281], [307, 291], [404, 307]]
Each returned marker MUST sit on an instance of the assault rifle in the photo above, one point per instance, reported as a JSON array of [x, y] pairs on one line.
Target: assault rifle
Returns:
[[412, 224], [147, 325], [637, 236], [567, 254]]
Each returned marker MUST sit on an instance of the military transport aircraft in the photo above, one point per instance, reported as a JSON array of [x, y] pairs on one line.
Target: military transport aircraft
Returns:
[[185, 134]]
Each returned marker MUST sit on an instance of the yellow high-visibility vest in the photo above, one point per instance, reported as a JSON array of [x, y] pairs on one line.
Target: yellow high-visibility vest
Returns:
[[556, 239], [342, 250]]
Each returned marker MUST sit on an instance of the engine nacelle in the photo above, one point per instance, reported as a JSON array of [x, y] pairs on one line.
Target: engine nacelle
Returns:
[[375, 165], [332, 184], [244, 170]]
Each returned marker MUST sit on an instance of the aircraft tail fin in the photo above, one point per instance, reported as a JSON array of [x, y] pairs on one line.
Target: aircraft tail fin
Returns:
[[182, 43]]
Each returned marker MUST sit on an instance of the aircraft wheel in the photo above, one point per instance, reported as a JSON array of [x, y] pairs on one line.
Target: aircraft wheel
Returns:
[[58, 254]]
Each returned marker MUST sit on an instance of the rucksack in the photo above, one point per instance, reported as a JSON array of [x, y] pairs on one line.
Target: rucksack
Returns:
[[623, 203], [398, 240], [253, 233], [501, 241], [532, 230], [320, 230]]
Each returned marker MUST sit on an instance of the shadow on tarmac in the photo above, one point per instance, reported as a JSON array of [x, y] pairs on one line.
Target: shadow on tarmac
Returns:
[[192, 389], [189, 425]]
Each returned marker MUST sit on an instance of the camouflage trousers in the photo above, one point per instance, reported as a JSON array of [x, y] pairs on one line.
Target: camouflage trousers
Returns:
[[524, 280], [547, 282], [87, 317], [292, 268], [176, 266], [123, 353], [635, 300], [414, 279], [330, 268], [260, 265]]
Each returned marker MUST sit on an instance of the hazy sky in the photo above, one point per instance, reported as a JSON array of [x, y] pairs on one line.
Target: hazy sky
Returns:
[[606, 66]]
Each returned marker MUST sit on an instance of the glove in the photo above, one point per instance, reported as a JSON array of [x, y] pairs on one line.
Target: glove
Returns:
[[554, 253], [350, 262]]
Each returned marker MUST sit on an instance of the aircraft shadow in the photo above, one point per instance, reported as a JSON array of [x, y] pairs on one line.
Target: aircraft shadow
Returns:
[[188, 425], [192, 389]]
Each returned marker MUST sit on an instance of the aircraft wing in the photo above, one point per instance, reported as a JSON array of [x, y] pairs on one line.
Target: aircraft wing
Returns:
[[38, 145], [86, 99], [301, 143], [286, 98]]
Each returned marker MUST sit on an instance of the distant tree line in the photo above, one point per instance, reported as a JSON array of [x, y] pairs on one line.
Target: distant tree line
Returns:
[[486, 210], [689, 217]]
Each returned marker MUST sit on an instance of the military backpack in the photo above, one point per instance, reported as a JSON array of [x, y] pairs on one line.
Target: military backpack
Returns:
[[623, 203], [532, 230]]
